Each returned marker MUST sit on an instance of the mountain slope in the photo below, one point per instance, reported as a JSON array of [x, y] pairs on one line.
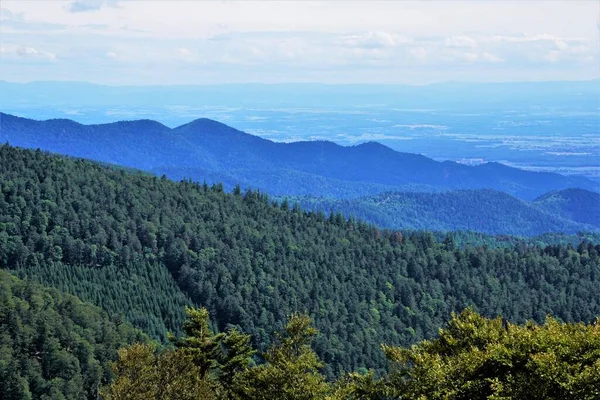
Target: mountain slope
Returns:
[[207, 149], [575, 204], [53, 345], [146, 246], [484, 210]]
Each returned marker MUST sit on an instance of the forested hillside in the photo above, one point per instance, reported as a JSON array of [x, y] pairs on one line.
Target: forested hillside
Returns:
[[52, 345], [483, 210], [575, 204], [208, 150], [146, 246]]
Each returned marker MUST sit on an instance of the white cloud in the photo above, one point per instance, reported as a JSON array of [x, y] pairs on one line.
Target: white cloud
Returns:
[[182, 51], [376, 39], [489, 57], [580, 49], [328, 41], [418, 52], [24, 51], [77, 6], [553, 56], [469, 56], [460, 42], [525, 37], [561, 45], [7, 15]]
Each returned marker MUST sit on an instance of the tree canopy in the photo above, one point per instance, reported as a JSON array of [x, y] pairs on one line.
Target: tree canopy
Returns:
[[147, 247]]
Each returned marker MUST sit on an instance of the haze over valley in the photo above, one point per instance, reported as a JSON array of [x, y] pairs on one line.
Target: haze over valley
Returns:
[[545, 126]]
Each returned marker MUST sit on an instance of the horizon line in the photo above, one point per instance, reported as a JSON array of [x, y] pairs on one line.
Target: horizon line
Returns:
[[253, 83]]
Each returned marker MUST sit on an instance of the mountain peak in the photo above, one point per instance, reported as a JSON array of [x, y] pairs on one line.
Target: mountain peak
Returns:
[[372, 145], [145, 124], [207, 124]]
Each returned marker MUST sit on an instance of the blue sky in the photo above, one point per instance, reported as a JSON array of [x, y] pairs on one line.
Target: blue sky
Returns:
[[200, 42]]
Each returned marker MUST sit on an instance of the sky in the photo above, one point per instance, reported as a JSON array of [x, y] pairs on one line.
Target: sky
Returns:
[[135, 42]]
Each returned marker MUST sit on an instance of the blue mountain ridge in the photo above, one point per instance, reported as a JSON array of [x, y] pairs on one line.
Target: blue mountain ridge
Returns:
[[205, 149]]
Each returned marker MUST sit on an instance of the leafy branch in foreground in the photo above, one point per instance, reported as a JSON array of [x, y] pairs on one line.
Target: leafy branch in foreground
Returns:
[[480, 358], [291, 370]]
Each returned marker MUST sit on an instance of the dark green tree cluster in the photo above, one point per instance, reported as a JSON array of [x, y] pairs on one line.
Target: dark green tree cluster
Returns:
[[147, 247], [53, 346]]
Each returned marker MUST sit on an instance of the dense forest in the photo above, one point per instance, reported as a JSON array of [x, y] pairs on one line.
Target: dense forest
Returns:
[[53, 346], [568, 211], [574, 204], [146, 247]]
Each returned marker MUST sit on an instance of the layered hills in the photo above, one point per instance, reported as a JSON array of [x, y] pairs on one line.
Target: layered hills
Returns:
[[208, 150], [145, 247]]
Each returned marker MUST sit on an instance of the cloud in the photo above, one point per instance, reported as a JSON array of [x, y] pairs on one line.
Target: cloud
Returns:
[[561, 45], [460, 42], [489, 57], [418, 52], [376, 39], [469, 56], [7, 15], [535, 38], [457, 56], [553, 56], [277, 41], [30, 52], [76, 6], [182, 51], [17, 21]]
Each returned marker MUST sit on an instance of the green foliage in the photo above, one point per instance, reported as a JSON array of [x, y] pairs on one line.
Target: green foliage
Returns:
[[201, 345], [144, 374], [217, 356], [291, 370], [146, 247], [237, 357], [203, 365], [479, 358], [472, 358], [53, 346]]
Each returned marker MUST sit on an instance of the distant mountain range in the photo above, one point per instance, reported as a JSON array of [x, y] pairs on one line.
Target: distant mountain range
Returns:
[[488, 211], [474, 95], [208, 150]]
